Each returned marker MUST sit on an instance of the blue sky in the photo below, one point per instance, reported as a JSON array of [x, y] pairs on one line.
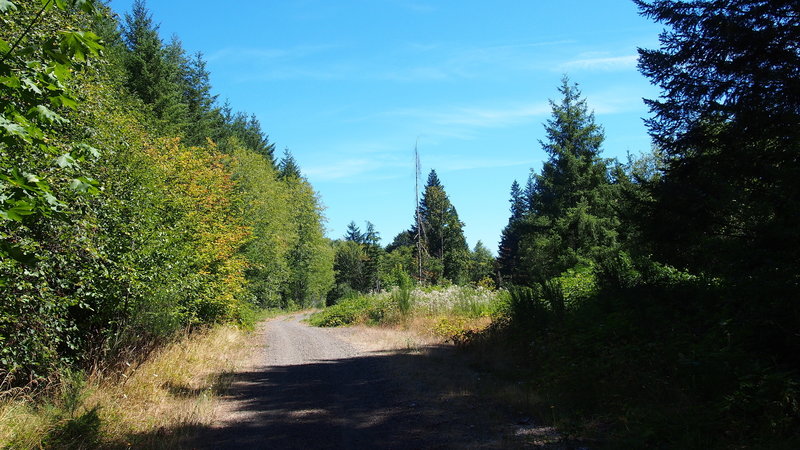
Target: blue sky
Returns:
[[349, 86]]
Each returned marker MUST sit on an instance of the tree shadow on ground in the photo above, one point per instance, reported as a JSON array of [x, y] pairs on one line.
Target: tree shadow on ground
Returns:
[[383, 400]]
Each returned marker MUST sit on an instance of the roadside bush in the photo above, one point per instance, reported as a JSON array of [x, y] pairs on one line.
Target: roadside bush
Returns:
[[353, 310]]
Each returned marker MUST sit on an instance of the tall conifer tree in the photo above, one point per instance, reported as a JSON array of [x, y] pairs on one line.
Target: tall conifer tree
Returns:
[[442, 233], [570, 218]]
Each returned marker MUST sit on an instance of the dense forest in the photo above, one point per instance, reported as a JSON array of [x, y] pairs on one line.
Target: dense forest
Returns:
[[657, 296], [133, 204]]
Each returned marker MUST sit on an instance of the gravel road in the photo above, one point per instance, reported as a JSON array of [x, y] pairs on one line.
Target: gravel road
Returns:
[[310, 388]]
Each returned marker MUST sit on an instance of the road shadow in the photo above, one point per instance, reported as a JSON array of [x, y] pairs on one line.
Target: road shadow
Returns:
[[387, 401]]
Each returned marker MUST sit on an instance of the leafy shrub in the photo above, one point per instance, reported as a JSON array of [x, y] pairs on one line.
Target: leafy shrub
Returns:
[[352, 310], [577, 284], [526, 308]]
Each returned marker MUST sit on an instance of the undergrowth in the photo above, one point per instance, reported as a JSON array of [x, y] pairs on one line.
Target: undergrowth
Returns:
[[151, 404], [646, 356], [450, 313]]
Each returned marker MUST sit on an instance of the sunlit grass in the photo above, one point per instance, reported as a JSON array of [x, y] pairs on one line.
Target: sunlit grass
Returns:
[[174, 389], [447, 313]]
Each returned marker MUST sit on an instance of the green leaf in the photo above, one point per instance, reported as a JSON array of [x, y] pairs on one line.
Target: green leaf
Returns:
[[65, 161], [64, 101], [62, 71], [4, 47], [29, 85], [83, 152], [52, 201], [79, 44], [13, 129], [87, 6], [16, 212], [11, 81], [6, 6], [85, 185], [44, 114]]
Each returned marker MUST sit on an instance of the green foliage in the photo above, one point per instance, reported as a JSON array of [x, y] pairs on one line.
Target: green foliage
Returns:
[[566, 214], [357, 262], [728, 200], [577, 284], [446, 255], [401, 296], [265, 207], [352, 310], [34, 75], [103, 250], [481, 264], [310, 257]]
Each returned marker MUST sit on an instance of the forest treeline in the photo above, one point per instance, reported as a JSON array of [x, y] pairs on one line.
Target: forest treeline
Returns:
[[132, 203]]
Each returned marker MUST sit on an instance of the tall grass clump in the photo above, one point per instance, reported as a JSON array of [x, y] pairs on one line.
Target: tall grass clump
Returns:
[[455, 300], [152, 404]]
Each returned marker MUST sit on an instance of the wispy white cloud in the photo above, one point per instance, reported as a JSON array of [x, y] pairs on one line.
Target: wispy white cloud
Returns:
[[475, 116], [408, 62], [616, 100], [357, 161], [601, 63], [347, 168]]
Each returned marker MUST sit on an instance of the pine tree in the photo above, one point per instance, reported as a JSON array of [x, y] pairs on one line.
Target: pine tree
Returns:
[[354, 233], [508, 253], [728, 122], [574, 171], [204, 119], [442, 234], [287, 167], [374, 252], [570, 217], [153, 70]]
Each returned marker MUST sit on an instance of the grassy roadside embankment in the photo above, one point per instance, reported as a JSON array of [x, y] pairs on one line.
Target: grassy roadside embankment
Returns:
[[174, 388]]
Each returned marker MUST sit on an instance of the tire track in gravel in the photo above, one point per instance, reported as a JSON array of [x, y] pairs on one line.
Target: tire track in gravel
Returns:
[[309, 388]]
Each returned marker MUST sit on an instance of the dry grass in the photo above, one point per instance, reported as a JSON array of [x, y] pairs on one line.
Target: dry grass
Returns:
[[174, 389]]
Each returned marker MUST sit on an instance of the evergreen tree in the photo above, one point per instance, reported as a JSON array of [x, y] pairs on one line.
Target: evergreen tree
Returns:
[[287, 167], [374, 252], [354, 234], [508, 256], [574, 171], [204, 119], [518, 204], [247, 129], [348, 267], [402, 239], [728, 122], [442, 234], [570, 217], [153, 70]]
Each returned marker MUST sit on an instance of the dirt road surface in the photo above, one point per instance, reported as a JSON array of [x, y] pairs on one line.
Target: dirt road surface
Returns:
[[317, 388]]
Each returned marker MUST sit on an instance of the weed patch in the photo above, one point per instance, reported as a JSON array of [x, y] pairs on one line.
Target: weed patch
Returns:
[[173, 389]]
